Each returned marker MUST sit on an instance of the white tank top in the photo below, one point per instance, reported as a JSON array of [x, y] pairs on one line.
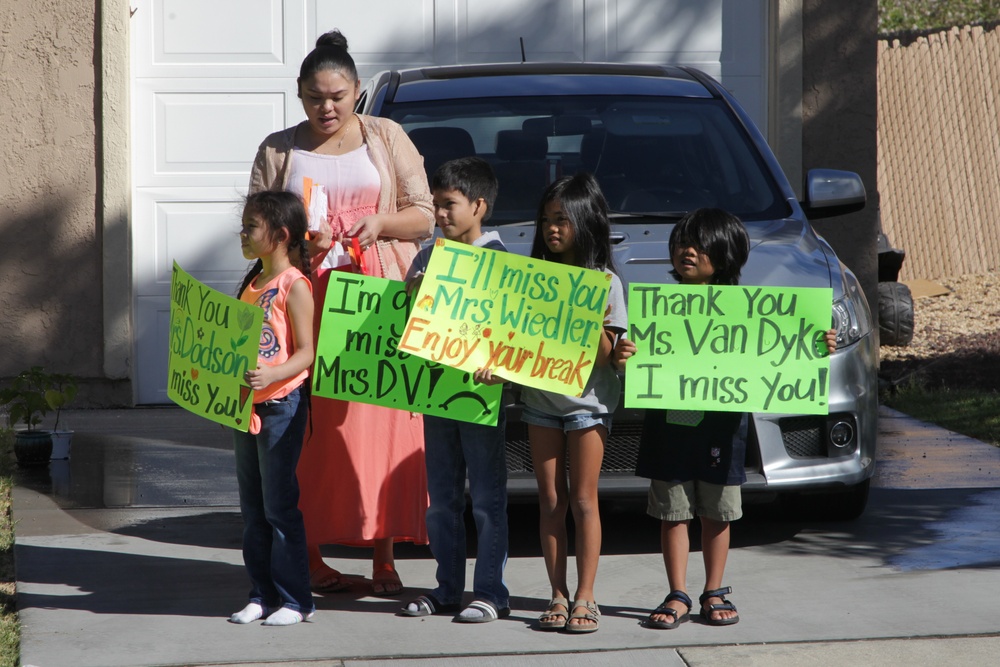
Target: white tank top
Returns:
[[352, 183]]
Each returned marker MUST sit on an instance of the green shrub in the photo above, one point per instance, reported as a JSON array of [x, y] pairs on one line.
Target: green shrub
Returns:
[[920, 15]]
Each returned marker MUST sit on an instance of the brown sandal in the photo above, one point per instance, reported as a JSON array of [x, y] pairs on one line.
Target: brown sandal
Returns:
[[592, 614], [557, 618]]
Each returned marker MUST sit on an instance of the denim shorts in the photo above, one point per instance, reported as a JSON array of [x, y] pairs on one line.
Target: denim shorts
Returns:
[[566, 423]]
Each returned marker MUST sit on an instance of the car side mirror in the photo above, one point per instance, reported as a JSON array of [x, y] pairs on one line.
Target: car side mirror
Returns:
[[831, 192]]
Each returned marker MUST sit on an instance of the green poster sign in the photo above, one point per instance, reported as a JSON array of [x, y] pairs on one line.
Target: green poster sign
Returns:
[[533, 322], [729, 348], [214, 340], [359, 358]]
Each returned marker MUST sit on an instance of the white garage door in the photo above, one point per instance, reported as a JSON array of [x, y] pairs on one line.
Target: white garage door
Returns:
[[211, 79]]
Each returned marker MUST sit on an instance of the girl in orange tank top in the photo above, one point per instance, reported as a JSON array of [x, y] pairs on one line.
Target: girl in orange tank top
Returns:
[[274, 541]]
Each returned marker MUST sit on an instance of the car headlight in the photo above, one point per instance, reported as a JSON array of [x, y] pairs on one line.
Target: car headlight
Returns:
[[851, 319]]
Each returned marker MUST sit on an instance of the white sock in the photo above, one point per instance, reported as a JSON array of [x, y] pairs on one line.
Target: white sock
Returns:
[[286, 616], [472, 612], [250, 613]]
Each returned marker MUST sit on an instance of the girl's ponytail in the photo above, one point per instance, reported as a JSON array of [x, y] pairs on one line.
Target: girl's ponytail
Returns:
[[301, 247], [254, 271]]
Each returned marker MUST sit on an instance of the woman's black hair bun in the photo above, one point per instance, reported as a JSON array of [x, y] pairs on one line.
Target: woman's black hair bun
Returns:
[[333, 38]]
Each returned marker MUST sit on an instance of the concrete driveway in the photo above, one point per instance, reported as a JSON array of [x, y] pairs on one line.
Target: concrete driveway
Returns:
[[129, 555]]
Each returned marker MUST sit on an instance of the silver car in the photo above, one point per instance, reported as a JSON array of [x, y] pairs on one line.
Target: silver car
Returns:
[[662, 141]]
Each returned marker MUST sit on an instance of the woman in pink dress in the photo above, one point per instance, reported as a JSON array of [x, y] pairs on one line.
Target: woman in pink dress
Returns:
[[362, 469]]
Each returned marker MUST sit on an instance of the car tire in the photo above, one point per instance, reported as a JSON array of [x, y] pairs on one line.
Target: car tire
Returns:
[[845, 505], [895, 314]]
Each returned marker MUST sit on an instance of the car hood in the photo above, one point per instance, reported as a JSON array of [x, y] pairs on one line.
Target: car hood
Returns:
[[789, 253], [785, 252]]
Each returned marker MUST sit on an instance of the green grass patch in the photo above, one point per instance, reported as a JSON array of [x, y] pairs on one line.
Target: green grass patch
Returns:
[[10, 626], [919, 15], [971, 412]]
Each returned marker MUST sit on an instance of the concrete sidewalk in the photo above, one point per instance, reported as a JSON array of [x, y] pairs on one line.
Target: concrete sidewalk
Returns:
[[129, 555]]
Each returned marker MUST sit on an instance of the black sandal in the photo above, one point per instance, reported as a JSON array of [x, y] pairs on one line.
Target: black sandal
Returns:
[[706, 614], [664, 610]]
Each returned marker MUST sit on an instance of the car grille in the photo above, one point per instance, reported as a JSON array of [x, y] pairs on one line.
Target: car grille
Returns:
[[619, 453], [803, 437]]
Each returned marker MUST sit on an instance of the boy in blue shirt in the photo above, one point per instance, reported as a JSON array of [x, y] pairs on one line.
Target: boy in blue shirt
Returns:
[[464, 191]]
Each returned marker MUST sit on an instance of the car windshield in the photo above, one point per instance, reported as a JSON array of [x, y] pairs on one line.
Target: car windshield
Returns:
[[654, 155]]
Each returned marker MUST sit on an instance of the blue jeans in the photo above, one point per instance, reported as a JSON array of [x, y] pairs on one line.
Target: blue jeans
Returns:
[[274, 537], [453, 449]]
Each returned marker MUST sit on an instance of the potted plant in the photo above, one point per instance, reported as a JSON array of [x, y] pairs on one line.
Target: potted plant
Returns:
[[25, 401], [62, 390]]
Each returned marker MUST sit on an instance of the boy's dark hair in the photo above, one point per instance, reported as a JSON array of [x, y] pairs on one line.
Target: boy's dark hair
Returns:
[[279, 210], [583, 203], [720, 235], [472, 176]]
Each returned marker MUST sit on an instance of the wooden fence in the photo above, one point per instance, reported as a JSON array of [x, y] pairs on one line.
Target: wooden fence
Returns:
[[939, 151]]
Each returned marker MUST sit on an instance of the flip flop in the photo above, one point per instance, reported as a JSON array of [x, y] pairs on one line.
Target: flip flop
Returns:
[[489, 611], [327, 580], [386, 575], [706, 614], [427, 605]]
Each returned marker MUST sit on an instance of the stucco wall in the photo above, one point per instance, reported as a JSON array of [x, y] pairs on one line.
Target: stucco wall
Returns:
[[50, 262], [839, 120]]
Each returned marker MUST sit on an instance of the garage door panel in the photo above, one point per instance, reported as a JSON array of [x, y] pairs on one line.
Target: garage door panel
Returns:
[[207, 137], [378, 43], [194, 31], [491, 31], [224, 38], [197, 228], [741, 56], [687, 32], [217, 130], [152, 341]]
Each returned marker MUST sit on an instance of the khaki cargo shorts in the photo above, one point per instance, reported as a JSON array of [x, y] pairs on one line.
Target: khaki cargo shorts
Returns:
[[682, 501]]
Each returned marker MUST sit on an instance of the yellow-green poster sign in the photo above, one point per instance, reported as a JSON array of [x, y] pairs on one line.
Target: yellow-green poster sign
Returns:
[[214, 340], [533, 322], [729, 348], [359, 358]]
